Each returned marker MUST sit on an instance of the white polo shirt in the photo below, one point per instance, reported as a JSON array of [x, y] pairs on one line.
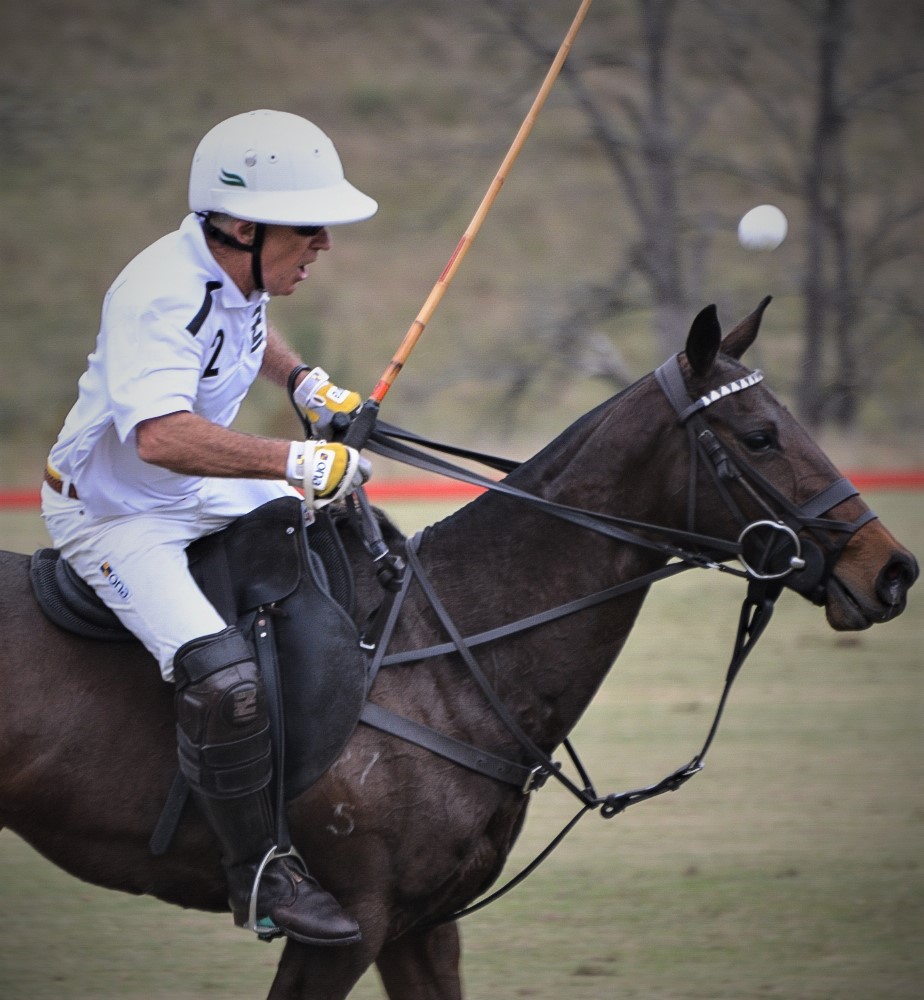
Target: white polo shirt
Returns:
[[176, 334]]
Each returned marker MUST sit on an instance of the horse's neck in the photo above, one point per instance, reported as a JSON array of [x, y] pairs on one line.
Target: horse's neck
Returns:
[[500, 559]]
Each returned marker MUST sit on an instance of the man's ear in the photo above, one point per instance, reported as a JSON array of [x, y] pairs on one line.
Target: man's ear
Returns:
[[243, 231]]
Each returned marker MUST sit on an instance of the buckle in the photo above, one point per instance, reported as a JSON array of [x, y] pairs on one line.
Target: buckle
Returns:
[[537, 777]]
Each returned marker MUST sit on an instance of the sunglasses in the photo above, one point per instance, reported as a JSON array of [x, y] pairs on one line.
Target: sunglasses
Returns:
[[307, 230]]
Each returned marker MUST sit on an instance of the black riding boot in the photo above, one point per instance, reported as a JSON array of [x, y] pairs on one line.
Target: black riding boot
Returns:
[[226, 755]]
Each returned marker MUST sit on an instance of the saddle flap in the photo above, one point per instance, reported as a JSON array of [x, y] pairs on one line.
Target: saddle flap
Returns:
[[257, 560], [263, 573]]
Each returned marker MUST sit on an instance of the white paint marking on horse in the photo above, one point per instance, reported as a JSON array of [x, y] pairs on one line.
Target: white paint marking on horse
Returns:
[[342, 814], [369, 766]]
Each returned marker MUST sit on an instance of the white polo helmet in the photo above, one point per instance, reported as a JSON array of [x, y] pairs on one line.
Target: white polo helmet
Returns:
[[274, 167]]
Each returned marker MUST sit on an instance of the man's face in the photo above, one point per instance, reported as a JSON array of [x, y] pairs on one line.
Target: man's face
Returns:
[[287, 255]]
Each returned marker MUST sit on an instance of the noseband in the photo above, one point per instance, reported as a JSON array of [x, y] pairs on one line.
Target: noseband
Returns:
[[789, 546]]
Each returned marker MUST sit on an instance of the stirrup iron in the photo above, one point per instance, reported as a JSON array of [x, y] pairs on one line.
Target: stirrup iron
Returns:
[[265, 929]]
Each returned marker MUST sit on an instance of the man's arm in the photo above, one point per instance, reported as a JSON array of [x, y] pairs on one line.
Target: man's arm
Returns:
[[320, 399], [191, 445], [187, 443], [278, 360]]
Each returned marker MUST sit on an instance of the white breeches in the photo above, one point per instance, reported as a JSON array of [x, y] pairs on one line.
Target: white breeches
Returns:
[[137, 563]]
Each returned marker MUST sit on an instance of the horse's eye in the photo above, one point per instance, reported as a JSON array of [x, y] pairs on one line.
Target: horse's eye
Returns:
[[759, 441]]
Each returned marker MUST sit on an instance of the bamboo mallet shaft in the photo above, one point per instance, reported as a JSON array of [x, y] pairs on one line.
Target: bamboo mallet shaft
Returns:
[[439, 289]]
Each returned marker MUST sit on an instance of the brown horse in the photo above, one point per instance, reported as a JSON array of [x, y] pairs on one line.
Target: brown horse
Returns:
[[403, 837]]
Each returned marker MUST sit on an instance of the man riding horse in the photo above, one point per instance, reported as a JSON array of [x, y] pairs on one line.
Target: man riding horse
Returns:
[[146, 463]]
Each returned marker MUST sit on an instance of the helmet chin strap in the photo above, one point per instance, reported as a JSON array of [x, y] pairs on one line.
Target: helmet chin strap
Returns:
[[256, 255], [255, 249]]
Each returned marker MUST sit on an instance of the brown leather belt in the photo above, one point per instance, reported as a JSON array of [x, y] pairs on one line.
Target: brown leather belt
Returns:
[[57, 484]]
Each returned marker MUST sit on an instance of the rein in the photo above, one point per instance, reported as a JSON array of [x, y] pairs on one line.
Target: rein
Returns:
[[770, 550]]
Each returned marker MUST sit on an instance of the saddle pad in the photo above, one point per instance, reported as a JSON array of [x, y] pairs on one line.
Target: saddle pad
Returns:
[[70, 603]]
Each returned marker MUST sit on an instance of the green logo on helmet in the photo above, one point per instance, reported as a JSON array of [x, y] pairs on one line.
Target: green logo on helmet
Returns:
[[232, 180]]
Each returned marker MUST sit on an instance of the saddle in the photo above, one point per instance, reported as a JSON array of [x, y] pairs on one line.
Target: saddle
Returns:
[[290, 590]]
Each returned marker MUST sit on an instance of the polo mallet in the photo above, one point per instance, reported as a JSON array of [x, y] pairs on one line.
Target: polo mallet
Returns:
[[362, 426]]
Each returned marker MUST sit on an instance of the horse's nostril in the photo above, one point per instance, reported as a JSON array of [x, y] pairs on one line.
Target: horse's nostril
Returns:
[[896, 578]]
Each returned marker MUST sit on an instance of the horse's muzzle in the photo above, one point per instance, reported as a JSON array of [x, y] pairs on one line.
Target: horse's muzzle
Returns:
[[895, 580], [851, 606]]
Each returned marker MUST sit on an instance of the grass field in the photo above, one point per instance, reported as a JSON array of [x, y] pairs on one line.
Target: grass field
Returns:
[[791, 868]]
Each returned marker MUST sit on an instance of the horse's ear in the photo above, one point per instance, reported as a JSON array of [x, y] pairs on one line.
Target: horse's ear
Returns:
[[703, 340], [745, 333]]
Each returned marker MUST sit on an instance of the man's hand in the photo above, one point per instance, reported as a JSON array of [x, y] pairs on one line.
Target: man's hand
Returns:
[[326, 470], [320, 400]]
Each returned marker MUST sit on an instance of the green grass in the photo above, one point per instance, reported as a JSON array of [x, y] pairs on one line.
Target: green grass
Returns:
[[790, 868]]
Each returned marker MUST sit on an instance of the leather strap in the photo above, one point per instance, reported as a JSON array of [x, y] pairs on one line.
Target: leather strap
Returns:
[[57, 483], [166, 826], [452, 749]]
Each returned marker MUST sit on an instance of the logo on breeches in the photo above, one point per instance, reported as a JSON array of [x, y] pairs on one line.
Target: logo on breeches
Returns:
[[115, 581]]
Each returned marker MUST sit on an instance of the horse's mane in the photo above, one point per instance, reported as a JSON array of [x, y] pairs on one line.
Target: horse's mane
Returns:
[[577, 430]]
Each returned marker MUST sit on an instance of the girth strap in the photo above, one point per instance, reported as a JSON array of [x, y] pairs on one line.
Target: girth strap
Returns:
[[447, 747]]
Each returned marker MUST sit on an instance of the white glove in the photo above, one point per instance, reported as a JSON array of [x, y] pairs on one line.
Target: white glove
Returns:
[[319, 399], [325, 470]]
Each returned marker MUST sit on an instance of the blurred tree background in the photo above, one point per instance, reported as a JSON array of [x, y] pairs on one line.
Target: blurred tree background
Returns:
[[615, 226]]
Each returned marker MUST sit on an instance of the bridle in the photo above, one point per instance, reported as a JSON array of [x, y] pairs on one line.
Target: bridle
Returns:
[[789, 545]]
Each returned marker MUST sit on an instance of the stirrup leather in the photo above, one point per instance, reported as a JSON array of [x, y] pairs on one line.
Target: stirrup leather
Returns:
[[265, 929]]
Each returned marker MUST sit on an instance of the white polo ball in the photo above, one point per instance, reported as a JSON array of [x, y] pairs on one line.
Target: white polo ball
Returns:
[[763, 228]]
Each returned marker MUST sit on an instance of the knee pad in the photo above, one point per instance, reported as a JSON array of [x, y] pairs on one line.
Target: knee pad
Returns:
[[223, 729]]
